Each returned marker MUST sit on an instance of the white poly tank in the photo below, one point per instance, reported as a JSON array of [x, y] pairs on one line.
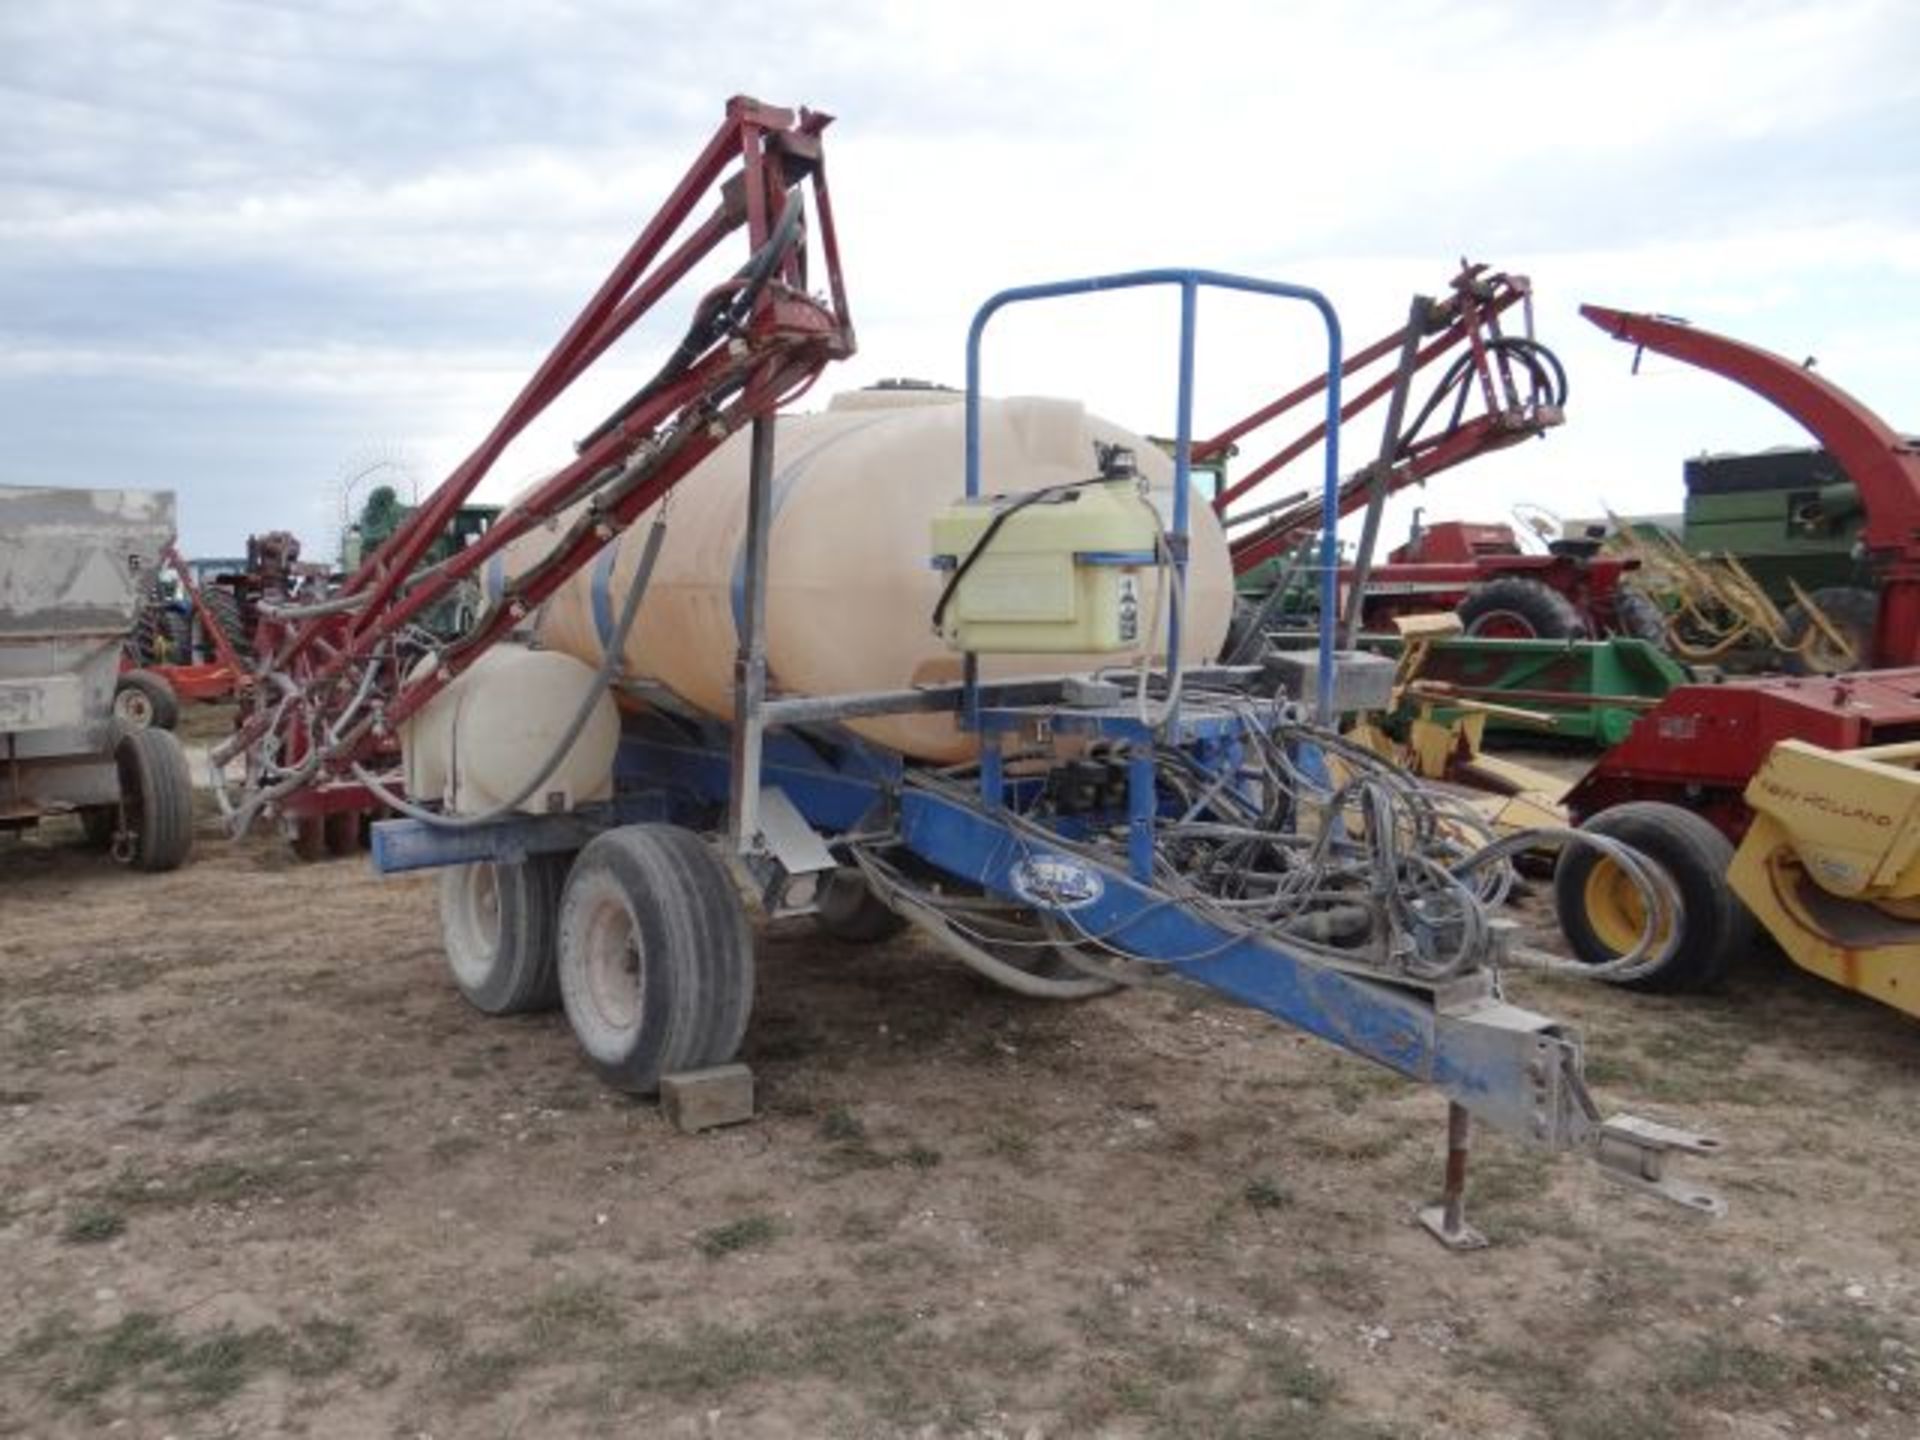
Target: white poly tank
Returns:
[[851, 590]]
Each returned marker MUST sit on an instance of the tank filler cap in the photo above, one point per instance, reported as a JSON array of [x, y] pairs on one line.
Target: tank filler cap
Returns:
[[1116, 461]]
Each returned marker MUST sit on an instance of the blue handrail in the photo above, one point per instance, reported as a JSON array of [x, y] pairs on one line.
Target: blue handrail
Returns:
[[1189, 282]]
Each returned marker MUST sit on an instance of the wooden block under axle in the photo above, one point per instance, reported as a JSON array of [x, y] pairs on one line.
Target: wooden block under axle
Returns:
[[696, 1100]]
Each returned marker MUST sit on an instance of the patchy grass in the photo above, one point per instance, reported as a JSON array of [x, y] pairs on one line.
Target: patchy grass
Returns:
[[1013, 1144], [1551, 1381], [1294, 1376], [899, 1368], [570, 1310], [93, 1225], [1725, 1370], [450, 1149], [1184, 1383], [1264, 1195], [148, 1354], [842, 1126], [38, 1036], [750, 1232], [302, 1174], [1345, 1281]]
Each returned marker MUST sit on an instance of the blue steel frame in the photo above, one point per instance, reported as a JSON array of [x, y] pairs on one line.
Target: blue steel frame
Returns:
[[1514, 1069]]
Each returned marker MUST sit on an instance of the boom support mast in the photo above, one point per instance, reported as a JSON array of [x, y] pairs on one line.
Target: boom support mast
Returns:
[[340, 676]]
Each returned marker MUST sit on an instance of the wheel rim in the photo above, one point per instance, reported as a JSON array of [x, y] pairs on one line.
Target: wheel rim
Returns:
[[1502, 625], [133, 709], [477, 912], [1616, 910], [614, 980]]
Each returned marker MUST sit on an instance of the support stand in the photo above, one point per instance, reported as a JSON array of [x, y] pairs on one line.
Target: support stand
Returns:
[[750, 664], [1447, 1221]]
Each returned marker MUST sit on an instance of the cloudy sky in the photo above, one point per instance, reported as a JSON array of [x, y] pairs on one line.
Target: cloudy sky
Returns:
[[251, 250]]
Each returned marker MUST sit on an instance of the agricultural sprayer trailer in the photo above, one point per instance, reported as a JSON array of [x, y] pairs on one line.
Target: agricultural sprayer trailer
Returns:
[[1135, 814]]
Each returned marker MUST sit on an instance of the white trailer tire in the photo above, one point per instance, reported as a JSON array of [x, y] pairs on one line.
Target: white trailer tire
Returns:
[[498, 923], [656, 956]]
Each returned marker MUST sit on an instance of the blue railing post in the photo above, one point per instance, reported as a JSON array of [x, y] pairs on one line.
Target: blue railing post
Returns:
[[1190, 282]]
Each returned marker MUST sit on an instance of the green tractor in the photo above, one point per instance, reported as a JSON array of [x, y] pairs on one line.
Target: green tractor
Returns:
[[383, 514]]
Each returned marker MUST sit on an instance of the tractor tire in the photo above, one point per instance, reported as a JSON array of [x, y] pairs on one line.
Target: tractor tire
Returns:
[[1513, 607], [1637, 617], [500, 924], [177, 629], [1601, 913], [143, 700], [656, 956], [1854, 612], [849, 911], [155, 829], [147, 641], [224, 606]]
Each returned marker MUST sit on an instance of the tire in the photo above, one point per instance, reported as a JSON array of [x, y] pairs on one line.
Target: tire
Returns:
[[224, 606], [656, 956], [98, 824], [156, 801], [1601, 921], [308, 836], [850, 912], [1854, 612], [500, 926], [1637, 617], [1515, 608], [177, 628], [343, 831], [143, 700]]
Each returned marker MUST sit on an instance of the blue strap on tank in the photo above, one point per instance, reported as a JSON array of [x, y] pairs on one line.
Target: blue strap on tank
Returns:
[[601, 590], [783, 483]]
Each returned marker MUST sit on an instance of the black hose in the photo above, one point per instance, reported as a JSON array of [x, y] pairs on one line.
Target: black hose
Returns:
[[720, 313], [1049, 494], [1543, 367]]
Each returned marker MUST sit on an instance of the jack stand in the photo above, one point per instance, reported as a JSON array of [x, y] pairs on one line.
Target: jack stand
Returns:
[[1447, 1221]]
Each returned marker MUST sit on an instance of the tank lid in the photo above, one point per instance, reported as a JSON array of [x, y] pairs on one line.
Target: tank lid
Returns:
[[895, 394]]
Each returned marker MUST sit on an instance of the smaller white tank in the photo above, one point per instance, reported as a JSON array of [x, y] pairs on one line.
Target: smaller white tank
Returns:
[[478, 742]]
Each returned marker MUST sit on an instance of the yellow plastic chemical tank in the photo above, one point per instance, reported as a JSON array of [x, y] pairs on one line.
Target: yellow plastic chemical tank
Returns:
[[851, 587]]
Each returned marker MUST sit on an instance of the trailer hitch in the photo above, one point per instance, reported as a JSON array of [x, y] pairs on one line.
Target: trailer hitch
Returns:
[[1634, 1152]]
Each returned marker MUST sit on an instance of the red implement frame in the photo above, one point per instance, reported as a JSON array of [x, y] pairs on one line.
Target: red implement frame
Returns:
[[229, 659], [337, 692], [1702, 743], [1468, 320], [216, 679], [1881, 463]]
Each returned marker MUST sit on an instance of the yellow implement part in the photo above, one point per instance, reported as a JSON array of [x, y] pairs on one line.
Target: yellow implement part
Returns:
[[1831, 864]]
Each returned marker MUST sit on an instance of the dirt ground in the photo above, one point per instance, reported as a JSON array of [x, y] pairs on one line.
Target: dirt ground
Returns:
[[262, 1172]]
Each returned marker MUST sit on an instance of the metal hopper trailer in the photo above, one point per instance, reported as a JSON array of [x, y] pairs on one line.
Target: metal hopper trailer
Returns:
[[73, 567]]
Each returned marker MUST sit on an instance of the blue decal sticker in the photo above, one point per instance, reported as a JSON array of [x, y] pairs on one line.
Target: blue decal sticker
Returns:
[[1057, 882]]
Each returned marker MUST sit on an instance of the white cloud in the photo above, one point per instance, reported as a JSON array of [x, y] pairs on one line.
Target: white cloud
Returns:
[[467, 172]]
